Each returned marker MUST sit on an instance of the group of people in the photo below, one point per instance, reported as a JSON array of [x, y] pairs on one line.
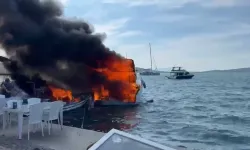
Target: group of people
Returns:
[[10, 88], [6, 87]]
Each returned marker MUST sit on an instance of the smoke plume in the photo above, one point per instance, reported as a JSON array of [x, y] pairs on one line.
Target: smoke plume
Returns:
[[36, 36]]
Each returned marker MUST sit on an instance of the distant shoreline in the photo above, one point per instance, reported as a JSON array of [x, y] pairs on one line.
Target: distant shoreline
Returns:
[[230, 70], [226, 70], [3, 71]]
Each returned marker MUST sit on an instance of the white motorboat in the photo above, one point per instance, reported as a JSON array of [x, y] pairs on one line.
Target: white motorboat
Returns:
[[179, 73]]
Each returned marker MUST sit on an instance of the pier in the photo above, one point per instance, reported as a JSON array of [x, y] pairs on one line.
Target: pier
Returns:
[[69, 138]]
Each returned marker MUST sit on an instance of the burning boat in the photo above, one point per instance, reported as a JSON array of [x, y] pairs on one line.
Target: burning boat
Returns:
[[127, 93], [107, 93], [67, 54]]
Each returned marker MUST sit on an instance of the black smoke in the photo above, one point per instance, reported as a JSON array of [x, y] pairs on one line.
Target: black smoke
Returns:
[[39, 39]]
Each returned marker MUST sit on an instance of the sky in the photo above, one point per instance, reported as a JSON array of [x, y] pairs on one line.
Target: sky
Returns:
[[198, 35]]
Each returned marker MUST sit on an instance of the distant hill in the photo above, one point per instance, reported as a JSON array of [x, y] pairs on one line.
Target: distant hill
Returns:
[[165, 70], [231, 70]]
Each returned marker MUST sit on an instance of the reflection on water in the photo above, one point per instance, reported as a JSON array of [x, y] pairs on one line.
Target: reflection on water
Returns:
[[103, 118]]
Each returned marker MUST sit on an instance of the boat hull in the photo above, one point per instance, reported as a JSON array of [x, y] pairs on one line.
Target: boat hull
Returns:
[[181, 77], [74, 105], [113, 102]]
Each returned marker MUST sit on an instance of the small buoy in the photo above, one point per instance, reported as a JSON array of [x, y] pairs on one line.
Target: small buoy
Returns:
[[150, 101]]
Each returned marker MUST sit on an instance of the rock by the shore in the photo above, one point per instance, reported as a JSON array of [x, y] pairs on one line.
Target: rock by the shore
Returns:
[[15, 144]]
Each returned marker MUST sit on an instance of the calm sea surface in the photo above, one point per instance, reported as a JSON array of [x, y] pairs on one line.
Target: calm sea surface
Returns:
[[211, 111]]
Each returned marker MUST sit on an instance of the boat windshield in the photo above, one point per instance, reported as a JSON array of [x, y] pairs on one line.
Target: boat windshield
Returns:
[[180, 74], [176, 68], [172, 74]]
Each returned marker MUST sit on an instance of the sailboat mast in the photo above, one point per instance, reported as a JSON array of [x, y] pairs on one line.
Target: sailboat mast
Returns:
[[154, 63], [150, 56]]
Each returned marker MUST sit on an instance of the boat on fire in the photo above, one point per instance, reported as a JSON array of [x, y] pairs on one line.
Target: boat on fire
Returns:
[[125, 87], [140, 83], [71, 105], [123, 70]]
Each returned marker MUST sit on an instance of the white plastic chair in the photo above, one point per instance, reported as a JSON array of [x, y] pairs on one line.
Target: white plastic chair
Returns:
[[35, 116], [53, 113], [2, 96], [2, 105], [32, 101], [4, 102]]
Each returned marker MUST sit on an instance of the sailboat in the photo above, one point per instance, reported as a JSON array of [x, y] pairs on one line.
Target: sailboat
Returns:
[[150, 72]]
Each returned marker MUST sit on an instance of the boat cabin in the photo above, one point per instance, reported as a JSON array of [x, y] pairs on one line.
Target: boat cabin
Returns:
[[177, 69]]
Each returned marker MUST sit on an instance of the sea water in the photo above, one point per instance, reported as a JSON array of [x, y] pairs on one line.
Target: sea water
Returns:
[[210, 111]]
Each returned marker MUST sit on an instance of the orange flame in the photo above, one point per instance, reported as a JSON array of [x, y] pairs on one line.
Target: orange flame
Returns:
[[60, 94], [121, 83]]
